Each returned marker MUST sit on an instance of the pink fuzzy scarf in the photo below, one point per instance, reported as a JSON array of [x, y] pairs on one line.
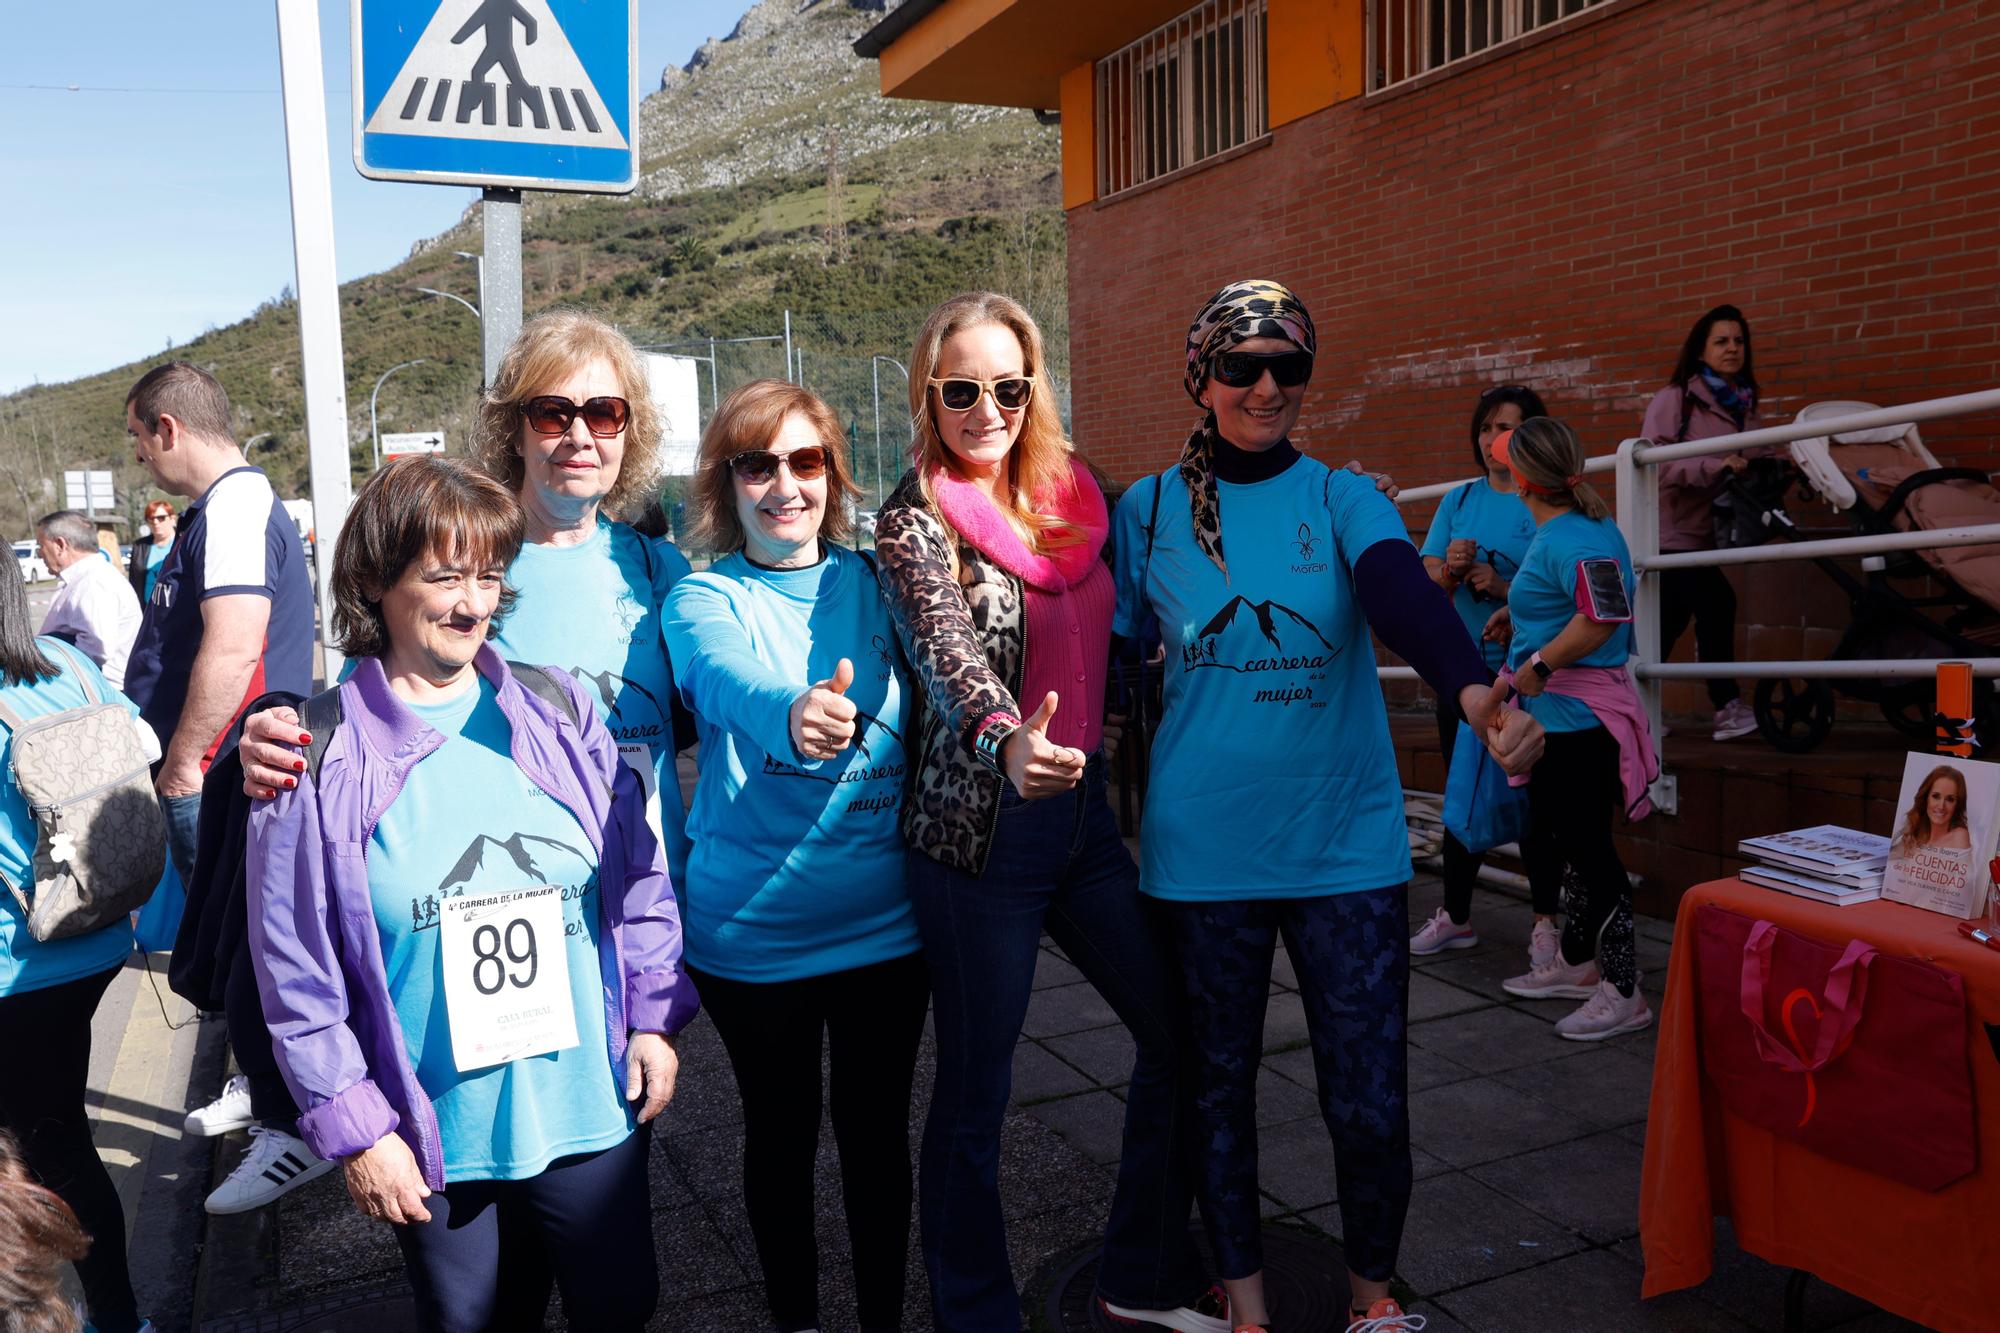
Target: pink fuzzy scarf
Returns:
[[967, 509]]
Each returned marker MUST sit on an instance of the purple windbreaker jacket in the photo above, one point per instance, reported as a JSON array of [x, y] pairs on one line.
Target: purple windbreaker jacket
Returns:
[[312, 919]]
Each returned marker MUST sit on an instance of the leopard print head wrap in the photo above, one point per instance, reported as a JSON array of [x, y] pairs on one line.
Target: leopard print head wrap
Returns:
[[1256, 308]]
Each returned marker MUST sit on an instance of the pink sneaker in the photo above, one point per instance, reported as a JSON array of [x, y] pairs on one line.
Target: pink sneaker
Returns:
[[1606, 1014], [1555, 980], [1385, 1316], [1441, 933], [1544, 943]]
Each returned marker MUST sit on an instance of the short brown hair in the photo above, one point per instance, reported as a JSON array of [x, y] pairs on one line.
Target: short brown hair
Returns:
[[38, 1234], [548, 347], [747, 419], [188, 394], [414, 507]]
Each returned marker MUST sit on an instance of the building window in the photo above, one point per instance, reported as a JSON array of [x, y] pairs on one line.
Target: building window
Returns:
[[1182, 93], [1410, 38]]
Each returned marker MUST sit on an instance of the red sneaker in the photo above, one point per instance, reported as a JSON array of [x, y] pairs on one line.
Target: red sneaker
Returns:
[[1385, 1316]]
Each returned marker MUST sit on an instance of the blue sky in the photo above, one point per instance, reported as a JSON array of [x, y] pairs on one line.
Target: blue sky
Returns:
[[152, 203]]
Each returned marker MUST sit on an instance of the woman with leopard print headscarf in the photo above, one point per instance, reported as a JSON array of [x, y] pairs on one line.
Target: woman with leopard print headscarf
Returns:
[[990, 553], [1273, 712]]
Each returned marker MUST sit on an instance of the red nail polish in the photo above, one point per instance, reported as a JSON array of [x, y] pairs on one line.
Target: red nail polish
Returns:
[[298, 765], [305, 739], [291, 783]]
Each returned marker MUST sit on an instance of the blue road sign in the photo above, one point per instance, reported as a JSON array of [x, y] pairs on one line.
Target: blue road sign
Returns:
[[528, 94]]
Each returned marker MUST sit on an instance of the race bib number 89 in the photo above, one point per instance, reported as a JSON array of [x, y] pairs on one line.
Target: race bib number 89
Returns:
[[506, 977]]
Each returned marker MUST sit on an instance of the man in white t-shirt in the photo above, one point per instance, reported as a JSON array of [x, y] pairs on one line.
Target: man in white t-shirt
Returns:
[[94, 607]]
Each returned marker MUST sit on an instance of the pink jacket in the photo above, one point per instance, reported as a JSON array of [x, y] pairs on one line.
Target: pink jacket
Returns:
[[1610, 693], [1688, 486]]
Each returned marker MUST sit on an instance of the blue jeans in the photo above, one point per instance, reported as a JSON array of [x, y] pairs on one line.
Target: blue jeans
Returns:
[[1057, 864], [183, 818]]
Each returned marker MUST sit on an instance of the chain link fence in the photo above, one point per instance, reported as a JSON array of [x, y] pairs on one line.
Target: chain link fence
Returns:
[[858, 361]]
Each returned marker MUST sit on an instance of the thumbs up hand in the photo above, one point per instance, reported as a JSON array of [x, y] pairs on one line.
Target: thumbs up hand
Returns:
[[1036, 767], [823, 717]]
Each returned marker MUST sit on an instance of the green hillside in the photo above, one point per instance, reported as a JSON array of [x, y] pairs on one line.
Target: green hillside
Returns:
[[730, 230]]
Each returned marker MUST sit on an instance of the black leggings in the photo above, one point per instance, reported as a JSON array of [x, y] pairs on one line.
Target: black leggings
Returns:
[[1461, 867], [1705, 595], [1574, 797], [45, 1049], [872, 1018]]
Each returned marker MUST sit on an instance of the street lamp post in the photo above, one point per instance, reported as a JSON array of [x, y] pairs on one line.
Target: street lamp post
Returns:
[[875, 370], [373, 430], [451, 296]]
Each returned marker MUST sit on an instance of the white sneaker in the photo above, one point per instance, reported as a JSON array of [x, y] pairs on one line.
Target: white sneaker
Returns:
[[276, 1164], [1555, 980], [1606, 1014], [1208, 1314], [1544, 942], [230, 1111], [1440, 933], [1734, 719]]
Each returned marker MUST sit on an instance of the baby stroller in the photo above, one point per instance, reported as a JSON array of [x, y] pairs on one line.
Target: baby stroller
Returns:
[[1885, 481]]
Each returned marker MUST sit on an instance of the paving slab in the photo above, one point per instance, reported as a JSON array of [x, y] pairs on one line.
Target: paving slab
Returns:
[[1590, 1186], [1599, 1083], [1433, 997], [1104, 1055], [1039, 1075], [1489, 1040], [1071, 1008], [1482, 1120], [1591, 1292], [1092, 1122], [1460, 1232], [1052, 969]]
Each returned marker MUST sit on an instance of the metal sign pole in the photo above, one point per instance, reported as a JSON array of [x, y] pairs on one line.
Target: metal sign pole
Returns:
[[318, 288], [500, 277]]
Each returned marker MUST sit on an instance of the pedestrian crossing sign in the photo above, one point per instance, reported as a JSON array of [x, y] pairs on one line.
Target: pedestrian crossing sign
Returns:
[[523, 94]]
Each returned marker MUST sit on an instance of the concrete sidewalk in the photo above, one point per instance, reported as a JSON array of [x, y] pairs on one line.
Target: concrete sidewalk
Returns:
[[1524, 1217]]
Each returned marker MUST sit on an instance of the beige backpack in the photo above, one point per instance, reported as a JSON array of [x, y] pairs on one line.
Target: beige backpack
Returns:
[[100, 838]]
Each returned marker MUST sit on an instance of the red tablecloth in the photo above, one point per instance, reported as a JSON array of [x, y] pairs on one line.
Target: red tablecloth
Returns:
[[1934, 1258]]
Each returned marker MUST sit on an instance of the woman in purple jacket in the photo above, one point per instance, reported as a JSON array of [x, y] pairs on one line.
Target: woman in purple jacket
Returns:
[[464, 935], [1712, 392]]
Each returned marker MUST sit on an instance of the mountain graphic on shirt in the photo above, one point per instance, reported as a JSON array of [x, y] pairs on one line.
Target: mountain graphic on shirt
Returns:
[[871, 742], [523, 858], [632, 712], [1257, 636]]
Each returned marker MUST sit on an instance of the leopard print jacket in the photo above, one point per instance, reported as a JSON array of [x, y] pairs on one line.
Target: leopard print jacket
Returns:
[[965, 637]]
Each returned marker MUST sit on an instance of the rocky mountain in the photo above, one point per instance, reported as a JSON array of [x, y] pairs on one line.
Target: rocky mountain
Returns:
[[779, 190]]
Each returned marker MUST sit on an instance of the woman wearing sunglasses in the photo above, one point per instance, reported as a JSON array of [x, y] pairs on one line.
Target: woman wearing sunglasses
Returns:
[[150, 551], [799, 930], [569, 426], [1267, 571], [1474, 547], [990, 553]]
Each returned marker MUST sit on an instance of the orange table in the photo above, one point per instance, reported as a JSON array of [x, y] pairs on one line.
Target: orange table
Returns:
[[1934, 1258]]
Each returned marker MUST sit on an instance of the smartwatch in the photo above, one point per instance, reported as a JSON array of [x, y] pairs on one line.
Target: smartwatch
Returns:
[[1542, 669]]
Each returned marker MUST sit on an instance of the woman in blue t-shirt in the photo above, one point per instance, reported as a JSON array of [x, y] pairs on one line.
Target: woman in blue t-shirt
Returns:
[[466, 943], [1268, 570], [1569, 612], [49, 990], [800, 932], [1474, 547]]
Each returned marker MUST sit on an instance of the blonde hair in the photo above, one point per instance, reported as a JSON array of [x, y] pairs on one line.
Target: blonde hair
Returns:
[[1038, 467], [1550, 457], [749, 418], [550, 346]]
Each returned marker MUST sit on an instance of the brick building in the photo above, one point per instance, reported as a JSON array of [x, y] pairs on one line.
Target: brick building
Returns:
[[1467, 192]]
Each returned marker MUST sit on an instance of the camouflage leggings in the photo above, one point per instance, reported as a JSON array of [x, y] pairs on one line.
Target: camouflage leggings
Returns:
[[1352, 955]]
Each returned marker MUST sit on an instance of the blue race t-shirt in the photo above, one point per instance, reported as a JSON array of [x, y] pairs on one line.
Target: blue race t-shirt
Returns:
[[594, 610], [468, 820], [236, 539], [26, 963], [156, 555], [1272, 771], [797, 868], [1502, 528], [1544, 599]]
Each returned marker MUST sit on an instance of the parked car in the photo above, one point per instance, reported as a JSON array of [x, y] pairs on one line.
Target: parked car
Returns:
[[30, 559]]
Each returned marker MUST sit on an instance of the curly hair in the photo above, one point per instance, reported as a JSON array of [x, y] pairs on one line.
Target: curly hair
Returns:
[[414, 507], [748, 419], [551, 345], [38, 1234]]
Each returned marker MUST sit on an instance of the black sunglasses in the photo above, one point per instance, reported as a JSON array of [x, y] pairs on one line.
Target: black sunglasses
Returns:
[[761, 465], [960, 394], [552, 415], [1241, 370]]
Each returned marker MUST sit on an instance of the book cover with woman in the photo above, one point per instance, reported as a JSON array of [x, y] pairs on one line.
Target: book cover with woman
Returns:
[[1943, 835]]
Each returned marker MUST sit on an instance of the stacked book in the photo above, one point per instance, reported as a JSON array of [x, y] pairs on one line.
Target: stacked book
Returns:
[[1829, 864]]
